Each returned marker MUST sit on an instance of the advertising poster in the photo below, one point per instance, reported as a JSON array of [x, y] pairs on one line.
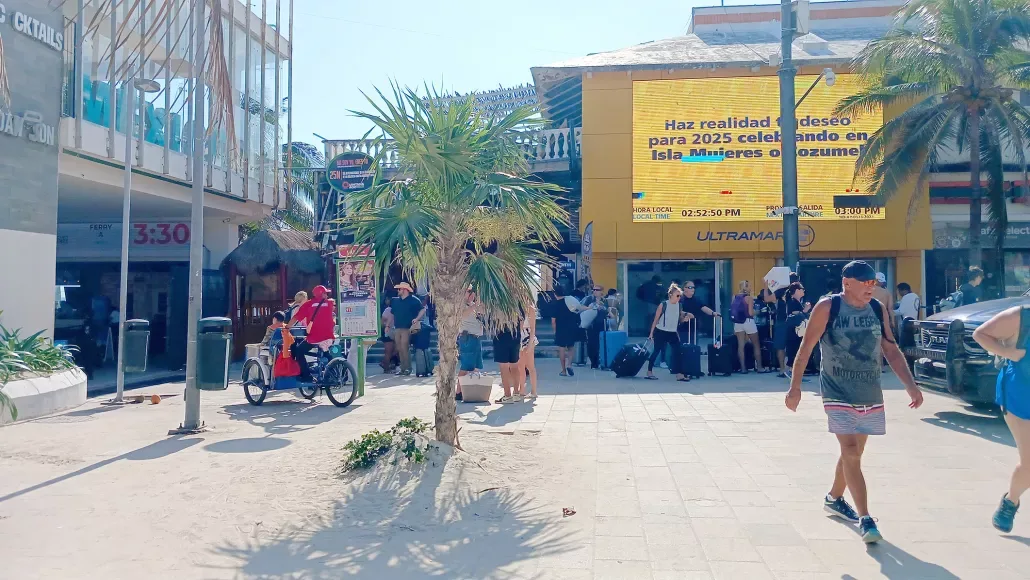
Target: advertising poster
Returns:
[[356, 282], [709, 150]]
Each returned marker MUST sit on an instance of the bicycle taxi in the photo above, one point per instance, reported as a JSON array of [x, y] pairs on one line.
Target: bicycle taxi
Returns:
[[329, 370]]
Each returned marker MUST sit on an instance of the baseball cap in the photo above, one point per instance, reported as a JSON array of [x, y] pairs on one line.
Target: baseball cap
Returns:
[[319, 292], [881, 278], [858, 270]]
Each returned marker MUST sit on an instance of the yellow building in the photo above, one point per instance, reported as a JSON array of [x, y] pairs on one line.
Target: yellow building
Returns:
[[670, 128]]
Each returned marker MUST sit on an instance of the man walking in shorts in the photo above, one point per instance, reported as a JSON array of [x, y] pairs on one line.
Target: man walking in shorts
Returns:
[[853, 336]]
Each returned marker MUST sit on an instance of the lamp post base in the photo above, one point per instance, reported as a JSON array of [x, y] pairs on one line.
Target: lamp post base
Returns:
[[183, 431]]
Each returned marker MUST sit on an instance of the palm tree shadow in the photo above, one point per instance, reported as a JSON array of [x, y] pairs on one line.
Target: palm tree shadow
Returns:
[[989, 427], [399, 521]]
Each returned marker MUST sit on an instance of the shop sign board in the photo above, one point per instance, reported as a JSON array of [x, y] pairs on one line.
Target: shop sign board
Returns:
[[350, 171], [356, 288], [806, 235], [33, 28], [162, 240], [956, 236]]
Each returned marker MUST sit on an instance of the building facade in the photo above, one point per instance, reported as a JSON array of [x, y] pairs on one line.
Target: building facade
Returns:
[[29, 115], [635, 118], [92, 96]]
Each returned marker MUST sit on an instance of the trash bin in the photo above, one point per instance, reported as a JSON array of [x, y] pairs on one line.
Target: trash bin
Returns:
[[137, 344], [214, 345]]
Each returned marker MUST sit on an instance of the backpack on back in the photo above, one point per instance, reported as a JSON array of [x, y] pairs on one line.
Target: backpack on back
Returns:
[[738, 309]]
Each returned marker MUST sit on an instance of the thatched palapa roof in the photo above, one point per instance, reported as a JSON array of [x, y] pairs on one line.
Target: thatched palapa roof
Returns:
[[266, 250]]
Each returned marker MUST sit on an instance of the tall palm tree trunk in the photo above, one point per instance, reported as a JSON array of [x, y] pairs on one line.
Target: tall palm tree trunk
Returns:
[[975, 193], [448, 295]]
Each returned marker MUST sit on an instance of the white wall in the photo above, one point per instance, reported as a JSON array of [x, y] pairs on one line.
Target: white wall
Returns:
[[27, 262], [220, 238]]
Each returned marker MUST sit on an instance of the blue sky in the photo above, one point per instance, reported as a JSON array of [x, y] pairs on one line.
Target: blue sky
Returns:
[[345, 47]]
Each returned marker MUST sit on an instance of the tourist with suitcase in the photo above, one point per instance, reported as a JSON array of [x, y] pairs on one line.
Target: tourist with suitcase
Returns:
[[690, 352], [742, 311], [665, 332]]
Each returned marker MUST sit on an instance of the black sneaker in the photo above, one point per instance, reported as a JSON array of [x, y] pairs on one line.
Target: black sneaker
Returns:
[[840, 508], [457, 397], [571, 373]]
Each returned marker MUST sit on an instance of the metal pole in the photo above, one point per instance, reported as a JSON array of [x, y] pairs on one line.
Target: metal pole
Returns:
[[123, 287], [80, 25], [192, 419], [788, 144], [289, 111]]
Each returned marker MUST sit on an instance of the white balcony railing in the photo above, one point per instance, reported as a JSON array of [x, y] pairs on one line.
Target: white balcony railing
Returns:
[[540, 146]]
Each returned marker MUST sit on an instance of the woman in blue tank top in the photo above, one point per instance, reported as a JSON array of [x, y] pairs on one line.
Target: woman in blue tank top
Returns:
[[1007, 335]]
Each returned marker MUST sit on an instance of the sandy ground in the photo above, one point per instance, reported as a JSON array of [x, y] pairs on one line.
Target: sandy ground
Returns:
[[707, 480]]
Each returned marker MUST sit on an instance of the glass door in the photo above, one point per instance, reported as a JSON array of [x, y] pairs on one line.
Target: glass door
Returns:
[[642, 280]]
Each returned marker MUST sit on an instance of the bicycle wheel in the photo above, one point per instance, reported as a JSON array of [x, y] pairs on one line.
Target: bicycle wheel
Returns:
[[308, 391], [255, 386], [340, 381]]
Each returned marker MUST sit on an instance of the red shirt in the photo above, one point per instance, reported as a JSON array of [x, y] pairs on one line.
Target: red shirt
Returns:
[[323, 327]]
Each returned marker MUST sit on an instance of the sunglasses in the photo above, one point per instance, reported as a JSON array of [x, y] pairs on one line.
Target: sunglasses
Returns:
[[867, 283], [689, 288]]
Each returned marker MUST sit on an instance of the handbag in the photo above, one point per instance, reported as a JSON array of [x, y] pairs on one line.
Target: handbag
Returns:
[[801, 328], [587, 317]]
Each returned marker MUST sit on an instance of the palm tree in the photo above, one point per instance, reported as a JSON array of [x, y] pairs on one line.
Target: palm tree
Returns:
[[300, 207], [468, 214], [952, 65]]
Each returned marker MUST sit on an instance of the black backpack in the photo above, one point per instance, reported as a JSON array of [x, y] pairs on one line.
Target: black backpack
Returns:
[[835, 301]]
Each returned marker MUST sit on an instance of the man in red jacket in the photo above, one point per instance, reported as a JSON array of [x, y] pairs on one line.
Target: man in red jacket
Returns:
[[319, 317]]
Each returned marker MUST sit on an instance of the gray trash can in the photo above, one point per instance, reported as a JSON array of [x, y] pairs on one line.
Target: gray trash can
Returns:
[[137, 345], [214, 347]]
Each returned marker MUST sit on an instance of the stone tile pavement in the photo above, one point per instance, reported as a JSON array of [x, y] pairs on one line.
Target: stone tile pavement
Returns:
[[714, 479]]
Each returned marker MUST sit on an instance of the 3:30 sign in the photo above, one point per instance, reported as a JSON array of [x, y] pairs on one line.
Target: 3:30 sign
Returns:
[[161, 234]]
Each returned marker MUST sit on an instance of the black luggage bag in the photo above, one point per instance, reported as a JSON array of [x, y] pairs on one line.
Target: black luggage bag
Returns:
[[629, 360], [690, 352], [722, 352]]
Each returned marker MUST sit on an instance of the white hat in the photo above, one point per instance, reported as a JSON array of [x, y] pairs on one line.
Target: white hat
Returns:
[[881, 278]]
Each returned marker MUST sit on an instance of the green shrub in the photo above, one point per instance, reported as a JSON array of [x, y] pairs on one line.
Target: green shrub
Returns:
[[365, 451], [33, 355]]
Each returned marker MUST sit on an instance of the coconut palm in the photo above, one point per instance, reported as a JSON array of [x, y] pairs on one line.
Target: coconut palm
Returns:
[[467, 214], [951, 65], [303, 187]]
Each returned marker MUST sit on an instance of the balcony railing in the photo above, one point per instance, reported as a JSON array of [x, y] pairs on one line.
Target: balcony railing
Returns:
[[540, 146]]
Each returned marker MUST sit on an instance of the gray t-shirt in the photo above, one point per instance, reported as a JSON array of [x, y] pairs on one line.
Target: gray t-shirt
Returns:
[[850, 371]]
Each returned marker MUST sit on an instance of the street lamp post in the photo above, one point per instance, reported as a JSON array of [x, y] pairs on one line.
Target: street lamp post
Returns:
[[143, 86], [788, 143], [191, 421]]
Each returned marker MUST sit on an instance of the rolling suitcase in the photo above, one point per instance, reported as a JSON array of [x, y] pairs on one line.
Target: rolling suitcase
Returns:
[[423, 363], [690, 352], [769, 355], [722, 352], [630, 360]]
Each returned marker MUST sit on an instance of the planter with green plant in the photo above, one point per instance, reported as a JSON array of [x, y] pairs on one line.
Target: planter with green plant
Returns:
[[32, 356]]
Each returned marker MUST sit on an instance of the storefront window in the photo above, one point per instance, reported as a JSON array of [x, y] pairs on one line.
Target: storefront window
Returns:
[[1017, 272]]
